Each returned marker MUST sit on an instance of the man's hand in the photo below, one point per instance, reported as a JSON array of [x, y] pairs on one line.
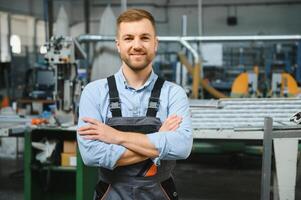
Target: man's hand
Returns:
[[96, 130], [171, 123]]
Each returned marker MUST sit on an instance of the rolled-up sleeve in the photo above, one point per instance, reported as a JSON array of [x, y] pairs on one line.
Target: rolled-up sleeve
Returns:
[[175, 145], [95, 152]]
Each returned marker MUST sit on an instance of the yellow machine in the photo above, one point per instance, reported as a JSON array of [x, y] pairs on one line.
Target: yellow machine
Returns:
[[283, 85], [245, 85], [288, 86]]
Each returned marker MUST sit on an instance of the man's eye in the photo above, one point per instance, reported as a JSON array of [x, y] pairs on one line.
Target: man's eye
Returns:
[[145, 38], [127, 39]]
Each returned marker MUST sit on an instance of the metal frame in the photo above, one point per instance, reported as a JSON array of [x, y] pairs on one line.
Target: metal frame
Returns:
[[269, 135], [184, 40]]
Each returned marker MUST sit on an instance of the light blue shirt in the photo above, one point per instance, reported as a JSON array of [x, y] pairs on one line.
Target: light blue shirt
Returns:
[[94, 103]]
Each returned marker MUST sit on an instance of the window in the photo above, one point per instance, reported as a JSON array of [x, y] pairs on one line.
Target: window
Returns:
[[43, 49], [15, 43]]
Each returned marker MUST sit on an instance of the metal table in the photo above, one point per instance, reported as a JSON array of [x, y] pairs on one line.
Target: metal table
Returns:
[[251, 120]]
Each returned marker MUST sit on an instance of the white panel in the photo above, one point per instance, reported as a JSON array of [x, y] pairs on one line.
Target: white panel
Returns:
[[212, 54], [41, 35], [286, 166], [4, 41], [107, 61], [62, 23], [30, 32]]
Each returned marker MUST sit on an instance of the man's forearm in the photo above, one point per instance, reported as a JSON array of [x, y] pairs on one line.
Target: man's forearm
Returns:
[[130, 157], [138, 143]]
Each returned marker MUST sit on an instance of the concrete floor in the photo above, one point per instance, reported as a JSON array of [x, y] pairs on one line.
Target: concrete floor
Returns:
[[11, 179], [201, 177], [217, 177]]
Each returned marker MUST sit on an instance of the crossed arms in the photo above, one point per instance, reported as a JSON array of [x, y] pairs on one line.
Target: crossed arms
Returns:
[[101, 145], [138, 146]]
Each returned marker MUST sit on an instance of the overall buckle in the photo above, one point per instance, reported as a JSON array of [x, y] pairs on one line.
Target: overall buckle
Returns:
[[115, 103], [154, 103]]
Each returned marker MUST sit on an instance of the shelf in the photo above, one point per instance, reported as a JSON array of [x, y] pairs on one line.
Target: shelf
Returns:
[[55, 168], [63, 183]]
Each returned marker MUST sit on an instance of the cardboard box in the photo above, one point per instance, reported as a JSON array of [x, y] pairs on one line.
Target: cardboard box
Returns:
[[68, 159], [69, 146]]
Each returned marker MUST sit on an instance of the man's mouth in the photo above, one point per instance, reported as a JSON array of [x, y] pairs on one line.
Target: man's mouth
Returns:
[[137, 54]]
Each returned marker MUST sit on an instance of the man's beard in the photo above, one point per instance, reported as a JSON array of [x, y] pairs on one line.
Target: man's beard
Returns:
[[137, 67]]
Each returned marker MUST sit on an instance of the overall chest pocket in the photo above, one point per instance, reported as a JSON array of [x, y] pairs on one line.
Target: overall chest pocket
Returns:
[[135, 124]]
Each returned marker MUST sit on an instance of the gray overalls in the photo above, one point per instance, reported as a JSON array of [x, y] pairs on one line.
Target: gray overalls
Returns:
[[143, 180]]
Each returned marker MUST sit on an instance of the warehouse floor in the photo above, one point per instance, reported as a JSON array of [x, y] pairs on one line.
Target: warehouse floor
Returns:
[[201, 177]]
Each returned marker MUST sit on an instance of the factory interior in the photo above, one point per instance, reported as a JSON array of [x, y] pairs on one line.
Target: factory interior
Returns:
[[239, 62]]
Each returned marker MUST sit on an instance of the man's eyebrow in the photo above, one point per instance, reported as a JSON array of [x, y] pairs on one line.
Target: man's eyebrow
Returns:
[[143, 35], [146, 34], [127, 35]]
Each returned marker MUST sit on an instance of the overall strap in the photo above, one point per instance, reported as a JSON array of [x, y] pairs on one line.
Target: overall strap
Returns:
[[153, 105], [115, 106]]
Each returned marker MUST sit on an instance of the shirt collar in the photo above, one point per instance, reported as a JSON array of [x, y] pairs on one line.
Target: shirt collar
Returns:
[[122, 79]]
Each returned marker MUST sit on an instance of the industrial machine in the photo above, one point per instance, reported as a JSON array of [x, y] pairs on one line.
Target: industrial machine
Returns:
[[39, 83], [63, 54], [282, 85]]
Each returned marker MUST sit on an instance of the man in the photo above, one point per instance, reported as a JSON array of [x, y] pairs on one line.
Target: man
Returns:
[[120, 127]]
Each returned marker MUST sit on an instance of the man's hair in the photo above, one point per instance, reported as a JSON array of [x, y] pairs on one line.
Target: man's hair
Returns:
[[133, 15]]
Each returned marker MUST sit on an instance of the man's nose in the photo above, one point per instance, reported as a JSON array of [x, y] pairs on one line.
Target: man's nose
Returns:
[[137, 44]]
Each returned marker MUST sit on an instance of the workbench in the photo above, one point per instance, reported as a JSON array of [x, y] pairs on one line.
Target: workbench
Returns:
[[285, 153], [245, 120]]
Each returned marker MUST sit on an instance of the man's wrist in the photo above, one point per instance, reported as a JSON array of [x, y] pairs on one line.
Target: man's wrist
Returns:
[[121, 137]]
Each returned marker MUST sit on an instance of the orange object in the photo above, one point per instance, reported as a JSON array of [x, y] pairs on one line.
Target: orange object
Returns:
[[68, 159], [152, 171], [240, 85], [38, 121], [288, 82], [5, 102], [256, 70]]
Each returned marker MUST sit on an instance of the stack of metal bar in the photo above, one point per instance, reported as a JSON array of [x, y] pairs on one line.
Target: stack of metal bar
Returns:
[[242, 113]]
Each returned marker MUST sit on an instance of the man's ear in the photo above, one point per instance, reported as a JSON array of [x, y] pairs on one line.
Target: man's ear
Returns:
[[157, 44], [117, 45]]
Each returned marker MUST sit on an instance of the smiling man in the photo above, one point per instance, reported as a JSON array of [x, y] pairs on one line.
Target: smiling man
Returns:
[[134, 125]]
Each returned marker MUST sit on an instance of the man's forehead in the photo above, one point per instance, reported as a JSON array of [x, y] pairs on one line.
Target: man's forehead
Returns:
[[140, 27]]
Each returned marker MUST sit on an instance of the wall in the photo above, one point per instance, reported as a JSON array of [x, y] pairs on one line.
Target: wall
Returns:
[[254, 16], [254, 20]]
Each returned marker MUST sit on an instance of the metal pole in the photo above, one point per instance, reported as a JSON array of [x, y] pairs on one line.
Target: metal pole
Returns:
[[50, 18], [91, 38], [200, 13], [191, 49], [184, 25], [87, 31], [123, 5], [266, 159], [298, 70], [243, 38], [87, 16]]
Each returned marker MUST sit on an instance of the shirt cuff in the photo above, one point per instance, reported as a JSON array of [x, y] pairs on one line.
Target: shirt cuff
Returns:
[[116, 152], [159, 140]]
